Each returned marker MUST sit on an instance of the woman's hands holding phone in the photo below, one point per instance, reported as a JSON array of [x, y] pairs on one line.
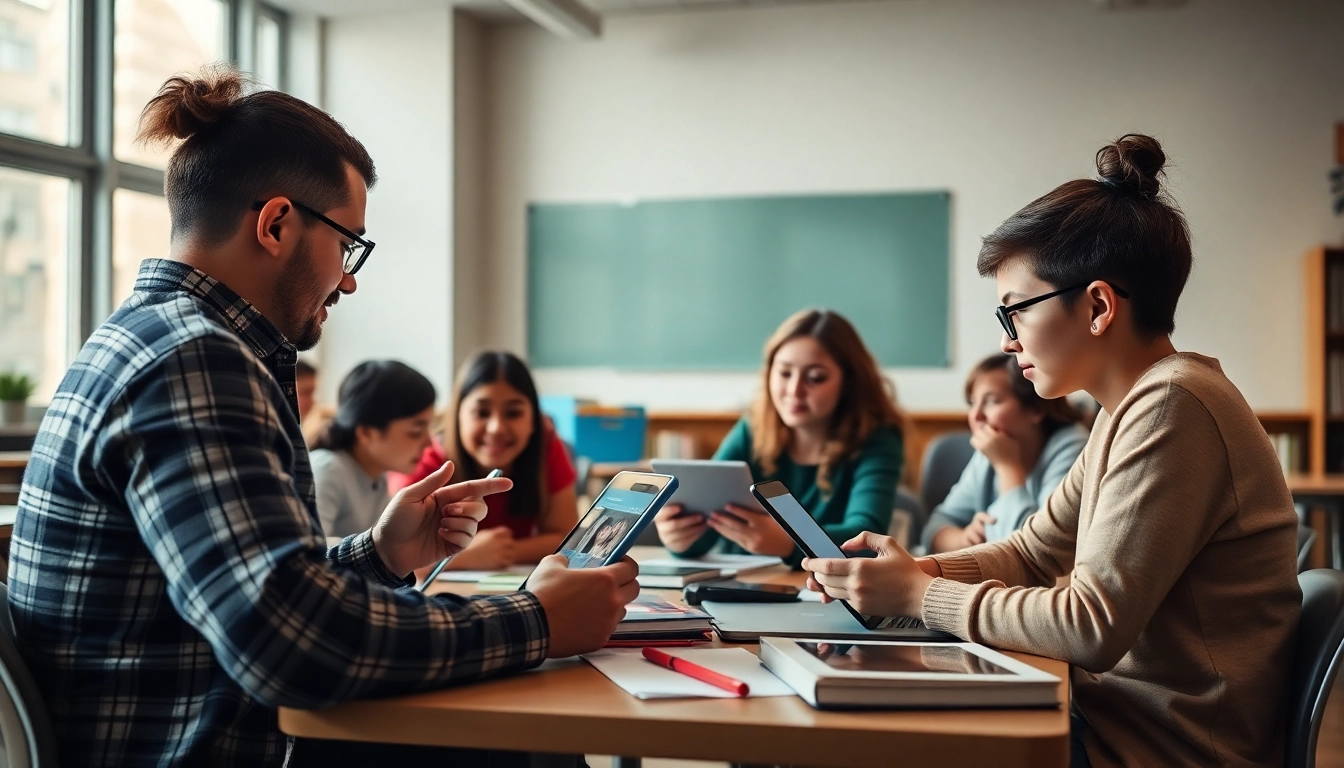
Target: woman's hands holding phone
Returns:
[[679, 528], [756, 532], [891, 584]]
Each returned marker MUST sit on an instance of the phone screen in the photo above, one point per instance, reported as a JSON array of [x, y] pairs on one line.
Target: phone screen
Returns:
[[798, 522], [610, 521], [805, 531]]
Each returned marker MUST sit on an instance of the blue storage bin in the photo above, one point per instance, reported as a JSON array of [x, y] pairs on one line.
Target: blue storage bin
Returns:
[[602, 434]]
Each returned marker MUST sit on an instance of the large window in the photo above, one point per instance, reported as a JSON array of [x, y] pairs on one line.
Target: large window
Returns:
[[155, 39], [34, 278], [35, 69], [81, 204]]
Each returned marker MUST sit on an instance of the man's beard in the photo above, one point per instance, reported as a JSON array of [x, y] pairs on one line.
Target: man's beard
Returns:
[[298, 298]]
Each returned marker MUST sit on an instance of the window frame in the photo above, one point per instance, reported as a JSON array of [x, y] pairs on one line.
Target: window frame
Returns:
[[88, 160]]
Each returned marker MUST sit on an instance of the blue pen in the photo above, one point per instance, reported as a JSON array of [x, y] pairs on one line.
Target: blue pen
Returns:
[[439, 568]]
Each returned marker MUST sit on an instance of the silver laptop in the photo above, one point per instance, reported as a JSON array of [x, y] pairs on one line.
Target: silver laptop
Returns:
[[748, 622]]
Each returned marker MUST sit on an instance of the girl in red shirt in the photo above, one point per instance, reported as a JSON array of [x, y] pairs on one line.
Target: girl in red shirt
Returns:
[[495, 422]]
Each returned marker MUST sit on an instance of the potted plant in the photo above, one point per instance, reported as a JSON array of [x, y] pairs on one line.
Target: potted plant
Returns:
[[15, 389]]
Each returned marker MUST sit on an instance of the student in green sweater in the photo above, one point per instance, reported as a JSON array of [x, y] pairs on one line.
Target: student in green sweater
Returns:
[[1175, 522], [825, 424]]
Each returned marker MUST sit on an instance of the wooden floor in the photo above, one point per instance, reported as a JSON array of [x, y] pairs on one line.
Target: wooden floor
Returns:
[[1329, 752]]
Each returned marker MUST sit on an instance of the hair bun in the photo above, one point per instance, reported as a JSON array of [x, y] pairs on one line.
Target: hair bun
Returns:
[[1132, 163], [188, 104]]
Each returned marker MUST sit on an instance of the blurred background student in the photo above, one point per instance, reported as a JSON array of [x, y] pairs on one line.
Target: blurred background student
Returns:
[[382, 424], [313, 418], [1024, 446], [496, 422], [825, 424]]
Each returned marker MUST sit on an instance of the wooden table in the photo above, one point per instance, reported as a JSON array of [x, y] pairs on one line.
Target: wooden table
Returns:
[[567, 706], [1326, 492], [12, 465]]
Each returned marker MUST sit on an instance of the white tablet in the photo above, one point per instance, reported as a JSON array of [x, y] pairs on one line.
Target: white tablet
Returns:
[[705, 486]]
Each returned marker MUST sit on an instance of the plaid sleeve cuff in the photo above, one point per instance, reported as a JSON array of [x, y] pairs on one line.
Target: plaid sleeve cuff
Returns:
[[524, 620], [359, 555]]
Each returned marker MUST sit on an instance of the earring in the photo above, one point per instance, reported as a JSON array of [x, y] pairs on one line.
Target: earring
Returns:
[[1094, 327]]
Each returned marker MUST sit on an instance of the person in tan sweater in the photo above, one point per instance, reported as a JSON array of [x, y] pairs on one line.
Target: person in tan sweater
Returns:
[[1175, 523]]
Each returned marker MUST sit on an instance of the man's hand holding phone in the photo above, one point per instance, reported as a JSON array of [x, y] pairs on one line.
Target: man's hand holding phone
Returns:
[[583, 605]]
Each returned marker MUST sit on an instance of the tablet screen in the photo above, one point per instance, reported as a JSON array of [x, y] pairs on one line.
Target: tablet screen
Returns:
[[606, 525], [943, 659]]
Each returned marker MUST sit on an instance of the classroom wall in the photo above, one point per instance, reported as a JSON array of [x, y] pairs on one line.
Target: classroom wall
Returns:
[[994, 100], [389, 79], [469, 182]]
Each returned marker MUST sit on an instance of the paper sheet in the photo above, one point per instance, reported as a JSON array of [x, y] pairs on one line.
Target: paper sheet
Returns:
[[471, 577], [643, 679]]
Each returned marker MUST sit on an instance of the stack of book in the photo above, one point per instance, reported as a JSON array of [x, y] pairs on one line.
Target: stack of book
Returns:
[[1288, 447], [671, 444], [1334, 395], [651, 618], [883, 675], [1335, 304], [674, 576]]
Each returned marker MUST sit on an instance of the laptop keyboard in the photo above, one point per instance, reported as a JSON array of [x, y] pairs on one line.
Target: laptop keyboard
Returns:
[[901, 622]]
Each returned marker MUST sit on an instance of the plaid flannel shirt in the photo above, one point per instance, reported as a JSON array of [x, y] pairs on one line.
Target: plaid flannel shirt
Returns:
[[169, 581]]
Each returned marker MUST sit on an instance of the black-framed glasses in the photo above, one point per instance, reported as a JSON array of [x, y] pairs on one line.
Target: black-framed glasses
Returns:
[[356, 252], [1005, 313]]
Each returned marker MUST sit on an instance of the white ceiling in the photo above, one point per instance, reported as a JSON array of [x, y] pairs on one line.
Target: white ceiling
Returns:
[[341, 8], [497, 11]]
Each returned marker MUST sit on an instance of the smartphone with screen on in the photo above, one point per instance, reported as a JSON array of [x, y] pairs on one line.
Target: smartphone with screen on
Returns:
[[621, 512], [806, 532]]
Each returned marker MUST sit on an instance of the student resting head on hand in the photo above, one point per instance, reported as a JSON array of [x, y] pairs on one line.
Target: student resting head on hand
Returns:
[[1024, 445]]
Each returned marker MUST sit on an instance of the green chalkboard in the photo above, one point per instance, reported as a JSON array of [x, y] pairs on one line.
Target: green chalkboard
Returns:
[[701, 284]]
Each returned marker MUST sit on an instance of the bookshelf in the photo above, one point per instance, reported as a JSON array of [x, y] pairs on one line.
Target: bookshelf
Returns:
[[696, 435], [1324, 280]]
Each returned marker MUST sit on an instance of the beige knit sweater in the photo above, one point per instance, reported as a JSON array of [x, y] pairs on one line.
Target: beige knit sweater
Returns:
[[1181, 614]]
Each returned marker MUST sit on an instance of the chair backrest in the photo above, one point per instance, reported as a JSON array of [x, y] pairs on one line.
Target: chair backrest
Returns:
[[1305, 538], [944, 459], [907, 518], [25, 726], [1319, 639]]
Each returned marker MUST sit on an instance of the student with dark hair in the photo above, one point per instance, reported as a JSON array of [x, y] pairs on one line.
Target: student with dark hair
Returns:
[[313, 416], [495, 422], [381, 425], [1176, 525], [169, 582], [305, 387], [1024, 446], [825, 423]]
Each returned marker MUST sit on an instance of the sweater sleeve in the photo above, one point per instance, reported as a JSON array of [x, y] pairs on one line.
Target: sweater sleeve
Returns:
[[1156, 507], [736, 446], [962, 502]]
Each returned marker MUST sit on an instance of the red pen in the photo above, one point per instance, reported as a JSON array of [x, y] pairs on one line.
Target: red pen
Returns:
[[691, 669]]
